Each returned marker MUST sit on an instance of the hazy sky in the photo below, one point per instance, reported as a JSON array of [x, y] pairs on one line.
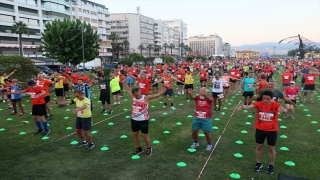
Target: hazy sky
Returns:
[[237, 22]]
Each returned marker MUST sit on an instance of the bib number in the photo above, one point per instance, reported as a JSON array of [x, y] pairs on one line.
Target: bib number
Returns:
[[136, 109], [201, 114], [103, 86]]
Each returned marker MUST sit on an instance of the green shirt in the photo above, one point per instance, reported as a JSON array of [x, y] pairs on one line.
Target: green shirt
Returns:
[[114, 84], [246, 68]]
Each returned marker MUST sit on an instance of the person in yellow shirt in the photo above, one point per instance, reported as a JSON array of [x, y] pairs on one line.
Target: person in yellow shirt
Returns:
[[115, 89], [58, 86], [2, 78], [83, 121], [188, 81]]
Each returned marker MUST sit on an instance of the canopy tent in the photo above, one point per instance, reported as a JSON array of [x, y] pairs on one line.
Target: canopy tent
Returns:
[[265, 55]]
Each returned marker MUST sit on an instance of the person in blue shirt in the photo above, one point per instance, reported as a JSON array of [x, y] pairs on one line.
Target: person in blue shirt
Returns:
[[16, 98], [248, 84], [84, 87]]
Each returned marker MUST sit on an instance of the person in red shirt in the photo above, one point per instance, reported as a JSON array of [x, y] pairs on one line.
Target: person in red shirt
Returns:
[[180, 73], [286, 77], [68, 70], [291, 93], [85, 78], [203, 117], [234, 76], [167, 81], [309, 85], [7, 88], [66, 85], [37, 94], [203, 77], [262, 84], [143, 83], [266, 127], [268, 71], [75, 76], [45, 83]]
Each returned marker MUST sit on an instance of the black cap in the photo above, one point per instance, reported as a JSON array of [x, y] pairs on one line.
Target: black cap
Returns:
[[31, 83]]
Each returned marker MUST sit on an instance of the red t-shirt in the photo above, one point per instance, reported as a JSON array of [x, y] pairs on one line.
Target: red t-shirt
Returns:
[[75, 78], [233, 73], [65, 78], [203, 75], [9, 84], [291, 93], [286, 77], [267, 116], [144, 85], [85, 78], [203, 108], [180, 75], [68, 70], [33, 93], [310, 79], [168, 80]]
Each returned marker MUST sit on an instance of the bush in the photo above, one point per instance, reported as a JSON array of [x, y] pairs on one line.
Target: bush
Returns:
[[167, 59], [24, 66], [106, 72], [189, 58], [126, 61]]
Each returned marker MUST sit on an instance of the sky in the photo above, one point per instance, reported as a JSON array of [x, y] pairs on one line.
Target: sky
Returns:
[[237, 22]]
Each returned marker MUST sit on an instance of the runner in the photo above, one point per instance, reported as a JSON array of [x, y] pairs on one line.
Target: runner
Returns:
[[203, 77], [59, 87], [266, 126], [217, 90], [291, 93], [180, 73], [115, 89], [66, 85], [7, 88], [203, 117], [309, 85], [45, 83], [75, 76], [140, 116], [248, 84], [155, 80], [83, 121], [16, 98], [286, 78], [226, 85], [188, 81], [144, 83], [2, 78], [104, 93]]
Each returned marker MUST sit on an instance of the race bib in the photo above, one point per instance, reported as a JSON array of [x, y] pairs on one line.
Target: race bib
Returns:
[[40, 85], [250, 85], [136, 109], [80, 113], [220, 96], [179, 76], [201, 114], [102, 86], [142, 85], [292, 97], [202, 75], [216, 85], [209, 71], [32, 95], [265, 116], [167, 82]]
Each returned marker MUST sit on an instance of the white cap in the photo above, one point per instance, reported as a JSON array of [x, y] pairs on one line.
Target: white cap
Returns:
[[292, 82]]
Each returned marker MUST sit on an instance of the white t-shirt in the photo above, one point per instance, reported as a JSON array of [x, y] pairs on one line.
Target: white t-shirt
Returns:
[[217, 85]]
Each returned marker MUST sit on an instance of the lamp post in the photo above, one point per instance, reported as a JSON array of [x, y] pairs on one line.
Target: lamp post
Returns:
[[82, 28]]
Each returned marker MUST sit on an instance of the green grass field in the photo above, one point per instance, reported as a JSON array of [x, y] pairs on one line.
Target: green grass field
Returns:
[[29, 157]]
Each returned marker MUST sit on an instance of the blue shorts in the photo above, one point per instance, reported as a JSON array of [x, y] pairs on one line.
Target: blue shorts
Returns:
[[204, 124], [169, 92], [285, 85], [129, 80]]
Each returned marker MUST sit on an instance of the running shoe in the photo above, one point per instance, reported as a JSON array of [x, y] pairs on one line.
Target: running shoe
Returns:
[[90, 146], [50, 117], [209, 147], [292, 117], [110, 111], [285, 116], [164, 106], [10, 108], [45, 133], [22, 114], [226, 100], [103, 111], [13, 113], [218, 109], [81, 143], [311, 101], [270, 169], [137, 151], [257, 167], [215, 110], [39, 132], [149, 152], [194, 145]]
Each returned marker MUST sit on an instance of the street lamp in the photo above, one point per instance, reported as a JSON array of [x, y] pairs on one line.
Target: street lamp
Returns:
[[83, 65]]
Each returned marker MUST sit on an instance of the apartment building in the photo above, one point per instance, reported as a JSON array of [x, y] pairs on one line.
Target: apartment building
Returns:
[[136, 28], [35, 13], [99, 18], [165, 35], [206, 45]]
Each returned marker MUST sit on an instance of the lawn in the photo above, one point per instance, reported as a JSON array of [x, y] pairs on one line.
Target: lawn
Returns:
[[29, 157]]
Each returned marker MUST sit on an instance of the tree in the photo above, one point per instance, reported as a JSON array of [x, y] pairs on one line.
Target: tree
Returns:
[[165, 45], [126, 44], [182, 46], [135, 57], [20, 28], [171, 46], [141, 48], [126, 61], [167, 59], [63, 41], [114, 39], [157, 48], [150, 47], [118, 48], [293, 52], [187, 49], [190, 58]]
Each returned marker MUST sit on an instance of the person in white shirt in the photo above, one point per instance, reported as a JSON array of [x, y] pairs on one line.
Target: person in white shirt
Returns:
[[217, 90]]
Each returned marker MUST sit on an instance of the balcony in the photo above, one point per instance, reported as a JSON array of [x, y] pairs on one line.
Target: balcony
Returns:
[[7, 20], [5, 7], [28, 2], [63, 2], [64, 11]]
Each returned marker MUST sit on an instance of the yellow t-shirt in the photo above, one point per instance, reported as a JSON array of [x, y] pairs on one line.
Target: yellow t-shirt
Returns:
[[2, 79], [86, 113], [59, 84], [188, 79]]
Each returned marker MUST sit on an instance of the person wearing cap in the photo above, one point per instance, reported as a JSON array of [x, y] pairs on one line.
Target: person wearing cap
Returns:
[[37, 94], [2, 78], [16, 98], [291, 93]]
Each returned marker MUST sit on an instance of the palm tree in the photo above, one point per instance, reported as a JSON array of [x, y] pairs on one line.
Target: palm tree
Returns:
[[149, 47], [157, 48], [171, 46], [182, 46], [165, 45], [141, 47], [187, 48], [20, 28], [118, 48], [114, 38], [125, 44]]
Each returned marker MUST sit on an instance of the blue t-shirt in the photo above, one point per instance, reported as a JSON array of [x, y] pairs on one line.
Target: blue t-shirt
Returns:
[[85, 88], [13, 89], [304, 71], [248, 84]]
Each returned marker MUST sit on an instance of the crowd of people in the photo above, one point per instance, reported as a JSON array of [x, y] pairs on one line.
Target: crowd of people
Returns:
[[253, 77]]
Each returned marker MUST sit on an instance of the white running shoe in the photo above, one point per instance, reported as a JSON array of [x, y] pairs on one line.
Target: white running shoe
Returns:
[[194, 145], [209, 147]]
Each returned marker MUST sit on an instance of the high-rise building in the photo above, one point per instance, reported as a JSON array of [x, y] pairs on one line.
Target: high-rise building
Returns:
[[98, 17], [136, 28], [35, 13], [206, 45], [165, 35]]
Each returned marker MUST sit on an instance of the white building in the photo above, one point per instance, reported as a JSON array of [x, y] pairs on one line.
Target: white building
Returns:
[[206, 45], [165, 35], [136, 28], [35, 13]]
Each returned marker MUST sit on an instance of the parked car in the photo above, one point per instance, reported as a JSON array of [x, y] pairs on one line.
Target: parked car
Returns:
[[57, 67], [80, 68], [45, 69]]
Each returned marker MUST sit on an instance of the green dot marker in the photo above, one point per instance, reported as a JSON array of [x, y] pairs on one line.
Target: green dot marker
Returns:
[[105, 114], [247, 123], [125, 109], [49, 124], [305, 110], [233, 97], [99, 101], [283, 136], [2, 129], [22, 133], [284, 149], [314, 122], [237, 94], [231, 100], [215, 127], [318, 130], [26, 122], [27, 100], [9, 119], [69, 128], [217, 119], [239, 142], [153, 106], [155, 142], [104, 149], [94, 132], [135, 157], [225, 108], [229, 103], [279, 119], [164, 113], [223, 113], [235, 176], [283, 127], [301, 105], [169, 99], [153, 120], [166, 132], [238, 155], [125, 99], [175, 96], [128, 117], [192, 150], [180, 104], [181, 164], [110, 124], [123, 137], [74, 142], [189, 116], [250, 116], [202, 135], [68, 110], [245, 111], [178, 123], [290, 163], [94, 97], [308, 115], [66, 118], [244, 132], [45, 138], [160, 102], [173, 108], [188, 100]]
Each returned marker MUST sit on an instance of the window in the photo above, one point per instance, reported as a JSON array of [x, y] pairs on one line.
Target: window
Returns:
[[73, 17], [73, 9], [86, 19], [94, 20], [86, 11], [80, 17], [5, 18], [80, 10]]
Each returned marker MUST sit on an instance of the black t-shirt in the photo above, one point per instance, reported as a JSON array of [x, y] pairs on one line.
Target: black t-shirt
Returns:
[[105, 85], [276, 94]]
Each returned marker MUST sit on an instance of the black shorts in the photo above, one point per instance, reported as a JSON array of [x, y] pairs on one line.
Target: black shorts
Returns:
[[201, 81], [294, 101], [233, 80], [39, 110], [83, 123], [8, 96], [310, 87], [66, 87], [179, 84], [155, 85], [216, 94], [188, 86], [121, 86], [47, 99], [59, 92], [140, 125], [16, 100], [226, 87], [247, 93], [116, 93], [271, 137], [105, 97]]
